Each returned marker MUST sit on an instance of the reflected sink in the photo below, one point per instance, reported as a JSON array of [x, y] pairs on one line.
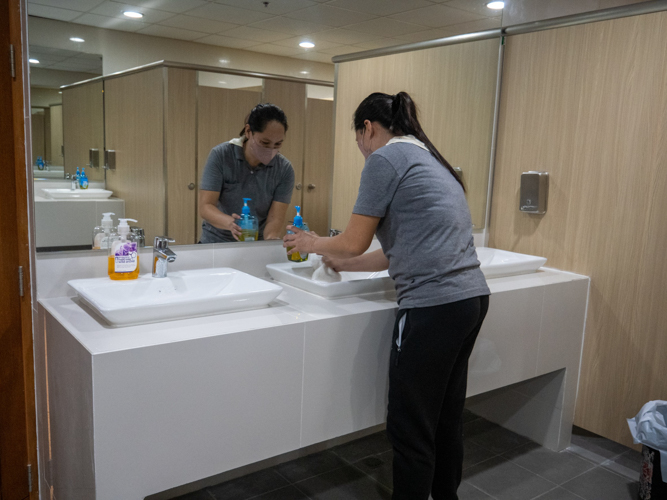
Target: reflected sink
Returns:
[[77, 194], [300, 275], [182, 294]]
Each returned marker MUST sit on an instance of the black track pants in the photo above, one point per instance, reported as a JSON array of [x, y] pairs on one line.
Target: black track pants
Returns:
[[427, 390]]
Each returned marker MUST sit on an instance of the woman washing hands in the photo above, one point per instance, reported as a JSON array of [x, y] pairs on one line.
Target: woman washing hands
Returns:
[[414, 201]]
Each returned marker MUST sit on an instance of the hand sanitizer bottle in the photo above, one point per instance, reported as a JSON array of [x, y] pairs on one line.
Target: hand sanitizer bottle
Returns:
[[102, 233], [123, 254], [298, 222], [75, 179], [83, 180], [248, 223]]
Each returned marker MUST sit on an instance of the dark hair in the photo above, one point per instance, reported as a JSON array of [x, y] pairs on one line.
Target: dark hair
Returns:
[[261, 115], [398, 114]]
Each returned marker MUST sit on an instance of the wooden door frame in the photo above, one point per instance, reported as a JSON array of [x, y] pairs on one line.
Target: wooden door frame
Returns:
[[18, 430]]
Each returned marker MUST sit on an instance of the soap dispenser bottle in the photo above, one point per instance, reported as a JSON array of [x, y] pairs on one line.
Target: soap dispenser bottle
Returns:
[[83, 180], [103, 232], [248, 223], [298, 223], [75, 179], [123, 254]]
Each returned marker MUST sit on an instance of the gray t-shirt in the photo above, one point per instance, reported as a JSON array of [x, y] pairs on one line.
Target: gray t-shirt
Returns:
[[425, 228], [228, 173]]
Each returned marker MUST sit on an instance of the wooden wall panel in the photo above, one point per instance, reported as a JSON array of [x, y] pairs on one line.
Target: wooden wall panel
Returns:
[[38, 136], [454, 88], [134, 118], [83, 127], [181, 150], [291, 97], [318, 165], [588, 104], [57, 134], [221, 114]]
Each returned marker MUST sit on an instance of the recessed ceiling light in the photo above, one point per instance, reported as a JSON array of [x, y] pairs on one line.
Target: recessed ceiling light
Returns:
[[77, 39], [33, 61], [307, 45], [496, 5], [304, 72], [133, 14], [60, 91]]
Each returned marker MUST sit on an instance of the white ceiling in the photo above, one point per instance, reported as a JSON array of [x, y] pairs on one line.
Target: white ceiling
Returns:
[[66, 60], [335, 26]]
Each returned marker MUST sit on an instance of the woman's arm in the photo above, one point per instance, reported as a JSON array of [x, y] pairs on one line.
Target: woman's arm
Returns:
[[275, 220], [208, 209], [354, 241], [369, 262]]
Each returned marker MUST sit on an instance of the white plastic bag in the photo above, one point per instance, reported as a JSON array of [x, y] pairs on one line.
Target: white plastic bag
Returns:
[[649, 428]]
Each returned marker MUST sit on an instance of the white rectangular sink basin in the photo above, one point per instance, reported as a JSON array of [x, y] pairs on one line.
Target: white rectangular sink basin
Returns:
[[182, 294], [300, 275], [494, 263], [497, 263], [77, 194]]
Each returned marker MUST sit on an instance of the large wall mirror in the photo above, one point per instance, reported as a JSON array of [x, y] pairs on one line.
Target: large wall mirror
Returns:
[[143, 135]]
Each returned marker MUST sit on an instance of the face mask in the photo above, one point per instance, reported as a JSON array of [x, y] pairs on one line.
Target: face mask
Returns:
[[263, 154], [362, 148]]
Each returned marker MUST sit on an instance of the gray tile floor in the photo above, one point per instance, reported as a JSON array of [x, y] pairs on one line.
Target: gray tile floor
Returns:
[[498, 464]]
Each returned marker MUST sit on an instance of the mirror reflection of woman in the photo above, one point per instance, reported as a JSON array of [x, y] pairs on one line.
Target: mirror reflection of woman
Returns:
[[414, 201], [248, 166]]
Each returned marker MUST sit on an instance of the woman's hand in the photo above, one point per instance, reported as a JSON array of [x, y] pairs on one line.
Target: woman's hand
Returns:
[[230, 225], [301, 241], [338, 265]]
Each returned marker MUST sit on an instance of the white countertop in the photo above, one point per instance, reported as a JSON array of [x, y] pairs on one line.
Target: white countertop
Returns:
[[292, 306]]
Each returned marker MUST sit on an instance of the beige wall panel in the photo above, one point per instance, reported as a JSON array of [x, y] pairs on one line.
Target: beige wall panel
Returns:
[[588, 104], [57, 134], [135, 130], [291, 97], [47, 136], [83, 127], [221, 114], [181, 150], [318, 164], [38, 139], [454, 88]]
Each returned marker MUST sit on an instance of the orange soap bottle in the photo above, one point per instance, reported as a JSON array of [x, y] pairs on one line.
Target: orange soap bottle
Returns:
[[123, 254]]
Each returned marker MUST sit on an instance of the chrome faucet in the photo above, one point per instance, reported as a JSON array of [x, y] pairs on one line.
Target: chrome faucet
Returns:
[[161, 255]]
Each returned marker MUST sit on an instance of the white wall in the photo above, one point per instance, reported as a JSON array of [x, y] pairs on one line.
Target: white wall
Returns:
[[121, 50]]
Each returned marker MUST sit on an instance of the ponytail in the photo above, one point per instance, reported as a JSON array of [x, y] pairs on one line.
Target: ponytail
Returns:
[[398, 114]]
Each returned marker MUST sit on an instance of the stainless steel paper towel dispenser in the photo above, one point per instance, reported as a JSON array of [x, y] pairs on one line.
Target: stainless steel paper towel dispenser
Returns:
[[534, 192]]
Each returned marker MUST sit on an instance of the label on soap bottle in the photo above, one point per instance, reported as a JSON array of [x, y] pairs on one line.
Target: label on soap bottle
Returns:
[[125, 257]]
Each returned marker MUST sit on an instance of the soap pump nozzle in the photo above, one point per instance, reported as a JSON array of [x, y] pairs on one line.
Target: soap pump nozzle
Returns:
[[124, 227], [246, 209], [107, 221], [298, 220]]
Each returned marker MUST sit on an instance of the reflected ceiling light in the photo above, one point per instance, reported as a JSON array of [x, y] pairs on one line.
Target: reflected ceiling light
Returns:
[[496, 5], [307, 45], [304, 72], [33, 61], [224, 61], [77, 39], [221, 81], [133, 14], [60, 91]]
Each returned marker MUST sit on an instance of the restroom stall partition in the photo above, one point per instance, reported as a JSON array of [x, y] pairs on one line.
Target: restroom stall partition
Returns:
[[221, 113], [134, 128], [454, 87], [83, 128]]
